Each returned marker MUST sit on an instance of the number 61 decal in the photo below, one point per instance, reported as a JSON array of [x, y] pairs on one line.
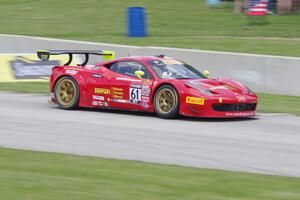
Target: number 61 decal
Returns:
[[135, 94]]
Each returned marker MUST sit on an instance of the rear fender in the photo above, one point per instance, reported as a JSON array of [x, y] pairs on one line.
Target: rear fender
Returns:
[[59, 73]]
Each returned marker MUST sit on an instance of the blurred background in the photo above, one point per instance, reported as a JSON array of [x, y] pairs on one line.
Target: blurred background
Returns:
[[193, 24], [256, 42]]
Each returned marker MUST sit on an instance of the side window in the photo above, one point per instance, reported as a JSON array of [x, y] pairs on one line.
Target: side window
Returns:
[[128, 68]]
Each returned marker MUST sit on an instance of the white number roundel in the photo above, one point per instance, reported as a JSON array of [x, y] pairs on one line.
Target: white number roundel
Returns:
[[135, 94]]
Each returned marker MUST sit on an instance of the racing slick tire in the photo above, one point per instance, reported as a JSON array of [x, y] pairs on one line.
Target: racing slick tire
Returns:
[[66, 93], [166, 102]]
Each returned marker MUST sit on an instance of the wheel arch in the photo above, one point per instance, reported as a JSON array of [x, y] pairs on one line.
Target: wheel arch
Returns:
[[176, 110], [82, 85], [162, 84], [80, 81]]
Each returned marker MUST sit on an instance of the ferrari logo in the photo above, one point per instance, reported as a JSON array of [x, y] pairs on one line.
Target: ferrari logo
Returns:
[[102, 91]]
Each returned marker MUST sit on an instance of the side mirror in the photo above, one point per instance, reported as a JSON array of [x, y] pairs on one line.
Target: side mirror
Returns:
[[206, 73], [139, 73]]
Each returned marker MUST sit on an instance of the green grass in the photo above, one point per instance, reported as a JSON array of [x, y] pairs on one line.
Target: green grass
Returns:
[[172, 23], [279, 103], [31, 175], [267, 102], [26, 87]]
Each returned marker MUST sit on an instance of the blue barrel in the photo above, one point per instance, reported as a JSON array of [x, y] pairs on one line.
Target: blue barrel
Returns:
[[136, 22], [213, 2], [271, 4]]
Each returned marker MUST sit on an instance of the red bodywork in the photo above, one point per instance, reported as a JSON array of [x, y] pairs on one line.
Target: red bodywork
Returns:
[[102, 88]]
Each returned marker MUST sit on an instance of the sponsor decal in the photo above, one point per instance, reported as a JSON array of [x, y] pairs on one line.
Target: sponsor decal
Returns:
[[102, 91], [137, 86], [52, 95], [75, 68], [117, 89], [241, 98], [145, 105], [240, 114], [127, 79], [171, 61], [97, 75], [70, 71], [145, 99], [117, 96], [167, 74], [117, 93], [194, 100], [96, 97], [134, 101], [119, 100], [135, 94], [145, 90], [24, 68], [99, 103], [145, 102]]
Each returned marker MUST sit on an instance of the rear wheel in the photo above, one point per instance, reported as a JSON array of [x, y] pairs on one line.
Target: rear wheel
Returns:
[[67, 93], [166, 102]]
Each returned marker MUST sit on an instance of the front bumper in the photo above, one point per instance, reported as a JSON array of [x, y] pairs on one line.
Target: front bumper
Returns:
[[220, 107]]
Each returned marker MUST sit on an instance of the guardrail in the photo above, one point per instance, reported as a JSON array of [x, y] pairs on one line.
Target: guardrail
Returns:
[[262, 73]]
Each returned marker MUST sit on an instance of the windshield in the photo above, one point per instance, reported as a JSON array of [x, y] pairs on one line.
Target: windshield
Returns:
[[169, 68]]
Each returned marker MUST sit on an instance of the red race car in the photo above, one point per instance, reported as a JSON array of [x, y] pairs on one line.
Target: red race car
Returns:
[[157, 84]]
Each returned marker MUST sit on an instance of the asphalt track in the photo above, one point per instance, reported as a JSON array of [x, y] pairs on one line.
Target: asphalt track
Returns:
[[269, 143]]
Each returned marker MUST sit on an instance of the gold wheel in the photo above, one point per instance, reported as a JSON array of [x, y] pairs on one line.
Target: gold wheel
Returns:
[[166, 100], [66, 92]]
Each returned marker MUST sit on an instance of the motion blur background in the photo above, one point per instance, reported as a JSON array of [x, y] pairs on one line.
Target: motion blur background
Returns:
[[260, 50]]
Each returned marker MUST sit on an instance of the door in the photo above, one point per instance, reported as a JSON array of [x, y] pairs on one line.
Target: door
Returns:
[[127, 91], [98, 91]]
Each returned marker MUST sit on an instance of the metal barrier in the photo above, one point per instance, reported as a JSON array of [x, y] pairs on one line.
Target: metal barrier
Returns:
[[266, 74]]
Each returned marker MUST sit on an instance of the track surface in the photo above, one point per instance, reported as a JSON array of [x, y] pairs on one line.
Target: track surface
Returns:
[[268, 144]]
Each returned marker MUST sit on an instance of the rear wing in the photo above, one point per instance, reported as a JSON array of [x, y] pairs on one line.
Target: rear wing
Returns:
[[44, 55]]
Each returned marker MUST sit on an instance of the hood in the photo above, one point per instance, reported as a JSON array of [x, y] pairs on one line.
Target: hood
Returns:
[[217, 86]]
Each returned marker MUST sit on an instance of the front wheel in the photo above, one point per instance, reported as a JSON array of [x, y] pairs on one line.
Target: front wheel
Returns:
[[166, 102], [66, 92]]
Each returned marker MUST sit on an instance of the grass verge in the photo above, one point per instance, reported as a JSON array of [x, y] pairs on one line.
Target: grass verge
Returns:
[[171, 23], [31, 175], [25, 87], [279, 104], [267, 102]]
